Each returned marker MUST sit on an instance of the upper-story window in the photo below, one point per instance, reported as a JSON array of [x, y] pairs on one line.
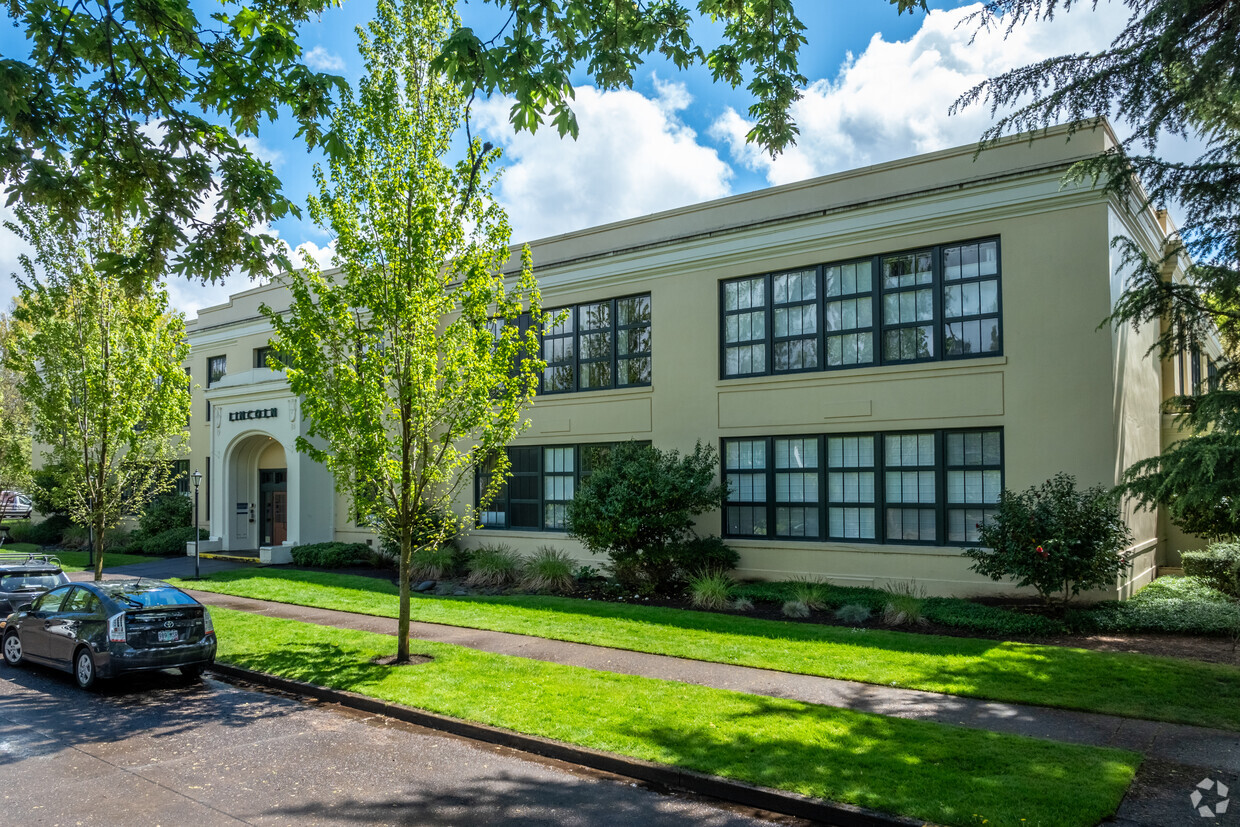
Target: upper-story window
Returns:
[[217, 367], [935, 303], [598, 345], [262, 354]]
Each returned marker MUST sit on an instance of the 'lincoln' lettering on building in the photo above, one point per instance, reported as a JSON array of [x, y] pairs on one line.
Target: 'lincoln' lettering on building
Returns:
[[261, 413]]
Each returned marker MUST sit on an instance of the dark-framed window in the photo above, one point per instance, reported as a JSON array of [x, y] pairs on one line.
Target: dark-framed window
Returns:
[[1211, 375], [217, 369], [598, 345], [1195, 369], [261, 354], [180, 472], [932, 303], [542, 482], [928, 487]]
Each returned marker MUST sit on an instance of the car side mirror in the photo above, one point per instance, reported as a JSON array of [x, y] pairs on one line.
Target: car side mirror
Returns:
[[25, 607]]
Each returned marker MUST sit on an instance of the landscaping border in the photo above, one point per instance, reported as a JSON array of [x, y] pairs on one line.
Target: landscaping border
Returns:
[[737, 792]]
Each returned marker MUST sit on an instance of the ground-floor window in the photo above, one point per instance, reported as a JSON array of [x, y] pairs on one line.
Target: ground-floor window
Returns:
[[542, 481], [920, 487]]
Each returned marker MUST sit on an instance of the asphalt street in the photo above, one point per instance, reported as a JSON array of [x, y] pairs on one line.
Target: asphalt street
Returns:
[[151, 750]]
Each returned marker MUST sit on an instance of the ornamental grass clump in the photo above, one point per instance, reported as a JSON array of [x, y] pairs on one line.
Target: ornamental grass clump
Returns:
[[809, 592], [854, 614], [904, 610], [433, 563], [493, 567], [795, 608], [1057, 539], [711, 590], [549, 571]]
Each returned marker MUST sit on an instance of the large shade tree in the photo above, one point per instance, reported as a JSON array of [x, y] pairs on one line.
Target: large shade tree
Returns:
[[101, 368], [1173, 72], [15, 442], [133, 110], [408, 360]]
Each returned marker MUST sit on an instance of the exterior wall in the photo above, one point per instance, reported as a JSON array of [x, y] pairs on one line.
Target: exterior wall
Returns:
[[1068, 395]]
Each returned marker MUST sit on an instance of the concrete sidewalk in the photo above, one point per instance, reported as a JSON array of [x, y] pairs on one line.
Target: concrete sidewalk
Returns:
[[1178, 743]]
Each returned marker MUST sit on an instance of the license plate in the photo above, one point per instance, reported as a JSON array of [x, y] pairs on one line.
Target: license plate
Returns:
[[167, 635]]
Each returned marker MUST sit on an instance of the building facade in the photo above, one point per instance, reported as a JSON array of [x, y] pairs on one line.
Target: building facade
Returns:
[[875, 354]]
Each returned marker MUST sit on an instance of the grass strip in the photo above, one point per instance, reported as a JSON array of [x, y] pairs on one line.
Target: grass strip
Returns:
[[1138, 686], [77, 560], [944, 774]]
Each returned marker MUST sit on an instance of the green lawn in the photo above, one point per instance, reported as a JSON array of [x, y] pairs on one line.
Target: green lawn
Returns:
[[76, 560], [1162, 689], [944, 774]]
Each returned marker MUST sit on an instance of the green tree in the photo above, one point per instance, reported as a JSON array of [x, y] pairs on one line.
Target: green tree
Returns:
[[1174, 71], [133, 110], [638, 506], [101, 369], [407, 360], [1055, 538], [15, 443], [533, 55]]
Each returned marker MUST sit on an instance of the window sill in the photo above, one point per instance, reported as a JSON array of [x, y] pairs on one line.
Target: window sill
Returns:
[[748, 543], [593, 395]]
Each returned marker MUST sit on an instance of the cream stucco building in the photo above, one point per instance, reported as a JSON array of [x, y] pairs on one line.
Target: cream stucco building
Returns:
[[875, 353]]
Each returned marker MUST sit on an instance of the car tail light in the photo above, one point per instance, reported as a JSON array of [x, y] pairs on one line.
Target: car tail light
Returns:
[[208, 628], [116, 628]]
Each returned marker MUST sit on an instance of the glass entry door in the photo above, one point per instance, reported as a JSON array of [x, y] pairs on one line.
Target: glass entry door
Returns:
[[273, 513]]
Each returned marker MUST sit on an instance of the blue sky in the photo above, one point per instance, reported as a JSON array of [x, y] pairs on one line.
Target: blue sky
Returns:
[[880, 85]]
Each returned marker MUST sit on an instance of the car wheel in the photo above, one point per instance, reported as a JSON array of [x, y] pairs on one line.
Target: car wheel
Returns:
[[12, 649], [192, 674], [84, 668]]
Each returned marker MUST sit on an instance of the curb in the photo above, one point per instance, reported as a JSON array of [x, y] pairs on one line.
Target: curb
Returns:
[[737, 792]]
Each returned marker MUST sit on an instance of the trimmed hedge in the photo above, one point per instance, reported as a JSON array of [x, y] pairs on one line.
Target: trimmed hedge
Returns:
[[1218, 565], [171, 543], [333, 555]]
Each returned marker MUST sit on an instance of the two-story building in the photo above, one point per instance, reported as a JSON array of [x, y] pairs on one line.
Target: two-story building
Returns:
[[875, 354]]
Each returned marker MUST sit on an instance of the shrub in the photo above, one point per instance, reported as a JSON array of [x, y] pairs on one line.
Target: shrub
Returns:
[[493, 566], [75, 537], [639, 503], [854, 614], [20, 531], [430, 564], [991, 620], [710, 590], [332, 555], [49, 532], [703, 554], [1218, 565], [1177, 605], [549, 570], [795, 608], [1054, 538], [742, 604], [171, 543], [165, 512]]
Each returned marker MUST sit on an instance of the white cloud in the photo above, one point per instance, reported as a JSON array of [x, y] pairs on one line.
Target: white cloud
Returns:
[[633, 157], [322, 60], [892, 100]]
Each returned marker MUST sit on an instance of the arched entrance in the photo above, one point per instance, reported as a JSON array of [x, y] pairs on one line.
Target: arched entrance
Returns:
[[256, 493]]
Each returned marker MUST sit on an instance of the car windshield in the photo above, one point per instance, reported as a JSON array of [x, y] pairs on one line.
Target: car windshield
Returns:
[[29, 582], [146, 595]]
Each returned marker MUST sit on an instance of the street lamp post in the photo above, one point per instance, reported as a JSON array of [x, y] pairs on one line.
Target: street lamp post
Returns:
[[197, 477]]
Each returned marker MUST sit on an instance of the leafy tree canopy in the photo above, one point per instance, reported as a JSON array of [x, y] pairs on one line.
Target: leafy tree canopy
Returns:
[[132, 111], [101, 369], [407, 360]]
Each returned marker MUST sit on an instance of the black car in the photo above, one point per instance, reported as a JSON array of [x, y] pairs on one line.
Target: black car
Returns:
[[101, 630], [23, 577]]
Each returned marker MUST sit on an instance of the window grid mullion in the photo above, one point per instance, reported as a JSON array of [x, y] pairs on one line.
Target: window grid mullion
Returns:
[[770, 477], [770, 328], [824, 468]]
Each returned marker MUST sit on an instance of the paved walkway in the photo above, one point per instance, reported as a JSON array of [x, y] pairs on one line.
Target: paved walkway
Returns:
[[1172, 742]]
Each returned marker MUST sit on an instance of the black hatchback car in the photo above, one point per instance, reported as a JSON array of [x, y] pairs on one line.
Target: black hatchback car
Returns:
[[101, 630], [23, 577]]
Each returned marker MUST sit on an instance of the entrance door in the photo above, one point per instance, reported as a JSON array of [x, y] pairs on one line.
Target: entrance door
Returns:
[[273, 512]]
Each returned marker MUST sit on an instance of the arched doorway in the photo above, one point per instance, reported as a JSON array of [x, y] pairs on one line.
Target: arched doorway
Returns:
[[256, 487]]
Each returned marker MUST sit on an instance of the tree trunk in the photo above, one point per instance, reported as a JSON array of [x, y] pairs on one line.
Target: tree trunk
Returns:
[[97, 530], [406, 559]]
